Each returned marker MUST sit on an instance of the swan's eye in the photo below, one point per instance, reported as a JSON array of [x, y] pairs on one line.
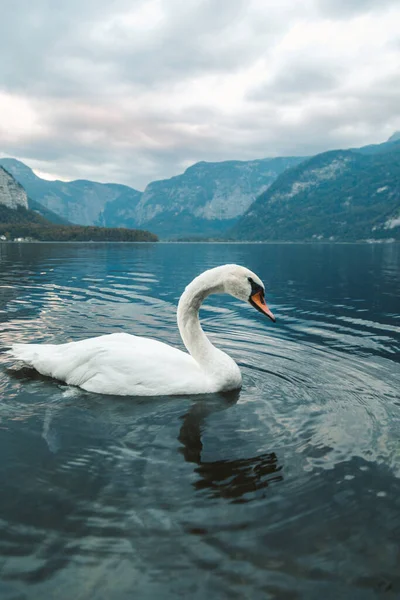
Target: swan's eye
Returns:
[[255, 288]]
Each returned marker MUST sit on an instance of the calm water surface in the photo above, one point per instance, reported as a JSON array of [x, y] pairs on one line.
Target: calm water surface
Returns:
[[289, 489]]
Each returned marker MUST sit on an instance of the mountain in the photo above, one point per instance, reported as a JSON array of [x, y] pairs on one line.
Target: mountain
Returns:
[[28, 202], [205, 200], [216, 199], [82, 202], [14, 203], [18, 220], [341, 195], [395, 137], [208, 197]]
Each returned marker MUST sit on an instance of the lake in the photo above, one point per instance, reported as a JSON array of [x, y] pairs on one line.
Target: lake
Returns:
[[289, 489]]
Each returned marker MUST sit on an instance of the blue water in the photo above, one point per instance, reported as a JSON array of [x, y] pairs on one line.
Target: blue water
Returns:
[[289, 489]]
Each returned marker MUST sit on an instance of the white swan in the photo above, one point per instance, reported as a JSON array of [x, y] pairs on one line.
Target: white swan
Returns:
[[129, 365]]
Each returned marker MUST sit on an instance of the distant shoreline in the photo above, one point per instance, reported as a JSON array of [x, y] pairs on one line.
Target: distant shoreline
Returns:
[[222, 242]]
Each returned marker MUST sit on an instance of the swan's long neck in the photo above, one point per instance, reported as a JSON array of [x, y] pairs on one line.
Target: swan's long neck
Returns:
[[194, 338], [218, 366]]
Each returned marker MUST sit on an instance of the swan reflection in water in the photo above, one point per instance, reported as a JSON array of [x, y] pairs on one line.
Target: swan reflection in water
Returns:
[[238, 480], [230, 479]]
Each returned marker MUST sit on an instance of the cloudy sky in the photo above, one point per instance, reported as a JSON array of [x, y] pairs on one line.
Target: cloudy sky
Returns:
[[136, 90]]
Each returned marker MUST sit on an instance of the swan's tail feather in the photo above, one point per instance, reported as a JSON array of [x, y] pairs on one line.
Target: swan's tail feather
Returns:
[[25, 352], [60, 361], [33, 355]]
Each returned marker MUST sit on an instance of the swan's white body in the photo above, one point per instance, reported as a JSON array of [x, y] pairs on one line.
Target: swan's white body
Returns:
[[121, 364], [124, 364]]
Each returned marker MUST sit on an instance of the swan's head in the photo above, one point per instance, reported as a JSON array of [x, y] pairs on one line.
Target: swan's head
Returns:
[[245, 285]]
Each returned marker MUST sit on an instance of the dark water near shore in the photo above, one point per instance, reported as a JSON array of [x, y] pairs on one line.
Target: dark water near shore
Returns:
[[289, 489]]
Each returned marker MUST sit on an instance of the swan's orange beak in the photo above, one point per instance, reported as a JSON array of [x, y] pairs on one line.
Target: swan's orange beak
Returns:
[[257, 300]]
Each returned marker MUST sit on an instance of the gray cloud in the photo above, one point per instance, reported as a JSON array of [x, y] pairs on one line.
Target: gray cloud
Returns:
[[347, 8], [136, 90], [297, 80], [59, 50]]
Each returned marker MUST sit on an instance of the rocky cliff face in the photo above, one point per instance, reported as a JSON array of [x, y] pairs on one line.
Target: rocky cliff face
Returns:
[[121, 210], [12, 194]]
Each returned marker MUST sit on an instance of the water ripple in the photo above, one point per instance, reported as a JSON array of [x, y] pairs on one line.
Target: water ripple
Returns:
[[289, 488]]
